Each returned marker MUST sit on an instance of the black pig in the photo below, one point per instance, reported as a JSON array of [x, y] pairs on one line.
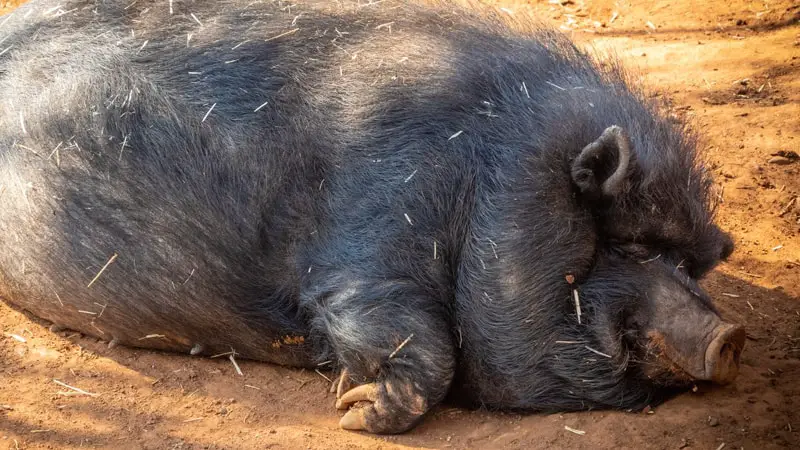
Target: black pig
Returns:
[[426, 200]]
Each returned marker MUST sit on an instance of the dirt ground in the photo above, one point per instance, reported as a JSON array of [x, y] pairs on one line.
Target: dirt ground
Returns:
[[732, 67]]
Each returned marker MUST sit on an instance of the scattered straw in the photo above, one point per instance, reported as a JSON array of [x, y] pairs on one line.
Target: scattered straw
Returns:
[[457, 134], [142, 47], [208, 112], [170, 7], [261, 106], [221, 354], [730, 295], [788, 207], [152, 336], [196, 19], [721, 446], [122, 148], [235, 365], [777, 247], [190, 276], [194, 419], [22, 123], [240, 44], [750, 305], [323, 375], [54, 150], [408, 178], [73, 388], [651, 259], [292, 31], [569, 342], [577, 304], [408, 219], [110, 260], [402, 344], [434, 249], [597, 351], [16, 337], [252, 387], [525, 90], [573, 430], [555, 86]]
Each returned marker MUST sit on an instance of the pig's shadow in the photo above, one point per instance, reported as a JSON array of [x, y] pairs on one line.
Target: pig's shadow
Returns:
[[278, 397]]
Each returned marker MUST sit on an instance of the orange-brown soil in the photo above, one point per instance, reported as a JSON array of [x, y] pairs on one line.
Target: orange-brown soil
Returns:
[[731, 67]]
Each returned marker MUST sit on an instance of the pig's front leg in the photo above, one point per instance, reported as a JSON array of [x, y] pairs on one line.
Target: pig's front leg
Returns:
[[393, 343]]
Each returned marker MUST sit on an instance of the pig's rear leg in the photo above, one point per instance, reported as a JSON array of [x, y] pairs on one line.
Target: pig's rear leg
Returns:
[[393, 343]]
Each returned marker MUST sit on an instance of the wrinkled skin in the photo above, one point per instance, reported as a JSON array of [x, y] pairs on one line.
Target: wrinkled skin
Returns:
[[421, 199]]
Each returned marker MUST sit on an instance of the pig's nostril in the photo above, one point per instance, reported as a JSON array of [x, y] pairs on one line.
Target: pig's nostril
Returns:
[[722, 356]]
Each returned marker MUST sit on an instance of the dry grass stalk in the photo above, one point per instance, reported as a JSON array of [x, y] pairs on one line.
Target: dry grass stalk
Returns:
[[208, 112], [292, 31], [455, 135], [152, 336], [16, 337], [323, 375], [110, 260], [73, 388], [577, 300], [402, 344], [573, 430], [235, 365], [597, 352], [788, 207]]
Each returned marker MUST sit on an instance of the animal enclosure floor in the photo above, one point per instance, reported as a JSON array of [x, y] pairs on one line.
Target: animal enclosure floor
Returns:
[[732, 67]]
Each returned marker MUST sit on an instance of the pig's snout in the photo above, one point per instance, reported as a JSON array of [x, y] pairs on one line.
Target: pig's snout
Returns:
[[722, 354]]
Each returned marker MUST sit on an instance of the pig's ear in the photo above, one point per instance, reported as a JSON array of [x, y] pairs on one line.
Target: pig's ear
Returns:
[[602, 166]]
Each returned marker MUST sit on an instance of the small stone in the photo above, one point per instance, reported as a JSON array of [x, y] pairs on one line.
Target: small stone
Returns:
[[713, 421], [781, 160], [223, 411]]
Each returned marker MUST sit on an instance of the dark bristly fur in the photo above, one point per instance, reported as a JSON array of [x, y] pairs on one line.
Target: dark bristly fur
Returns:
[[305, 231]]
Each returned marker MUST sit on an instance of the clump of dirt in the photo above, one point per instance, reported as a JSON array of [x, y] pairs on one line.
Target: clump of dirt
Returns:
[[731, 68]]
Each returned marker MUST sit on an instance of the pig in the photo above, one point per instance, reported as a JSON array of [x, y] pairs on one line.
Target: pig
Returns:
[[432, 204]]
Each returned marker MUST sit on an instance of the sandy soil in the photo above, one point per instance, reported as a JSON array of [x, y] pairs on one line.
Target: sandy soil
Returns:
[[732, 67]]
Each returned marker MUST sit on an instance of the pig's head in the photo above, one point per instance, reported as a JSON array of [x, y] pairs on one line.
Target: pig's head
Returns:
[[656, 317], [655, 239]]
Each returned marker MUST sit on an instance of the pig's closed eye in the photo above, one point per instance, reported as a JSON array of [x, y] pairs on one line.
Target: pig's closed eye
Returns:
[[637, 251]]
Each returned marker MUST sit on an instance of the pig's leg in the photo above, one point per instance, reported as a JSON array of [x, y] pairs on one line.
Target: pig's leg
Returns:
[[391, 340]]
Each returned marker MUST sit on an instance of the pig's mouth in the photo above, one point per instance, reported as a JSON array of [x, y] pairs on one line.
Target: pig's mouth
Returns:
[[719, 363]]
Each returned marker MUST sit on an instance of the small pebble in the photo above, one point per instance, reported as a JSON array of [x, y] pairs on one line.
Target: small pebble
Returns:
[[781, 160], [713, 421]]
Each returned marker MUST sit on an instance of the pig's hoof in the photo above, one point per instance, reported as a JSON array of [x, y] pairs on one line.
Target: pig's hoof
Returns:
[[383, 407]]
